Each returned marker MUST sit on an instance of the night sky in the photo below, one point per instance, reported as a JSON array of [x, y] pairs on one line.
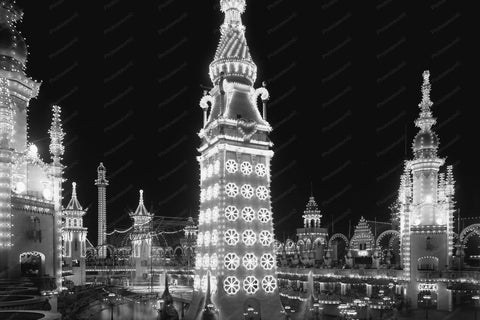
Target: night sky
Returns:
[[344, 79]]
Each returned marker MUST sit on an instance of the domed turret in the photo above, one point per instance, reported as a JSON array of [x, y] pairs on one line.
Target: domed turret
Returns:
[[13, 49], [425, 140], [232, 58]]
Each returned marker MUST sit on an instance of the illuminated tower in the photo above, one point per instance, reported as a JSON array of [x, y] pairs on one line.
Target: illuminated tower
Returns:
[[56, 174], [312, 237], [235, 232], [16, 90], [426, 205], [102, 184], [141, 238], [74, 238]]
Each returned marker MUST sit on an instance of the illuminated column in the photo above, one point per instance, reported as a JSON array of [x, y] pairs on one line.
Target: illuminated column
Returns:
[[6, 134], [56, 151], [235, 250], [101, 182]]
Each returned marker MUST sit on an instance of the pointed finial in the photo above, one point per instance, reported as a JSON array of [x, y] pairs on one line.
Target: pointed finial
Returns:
[[311, 189], [141, 197], [74, 189], [426, 88], [56, 134]]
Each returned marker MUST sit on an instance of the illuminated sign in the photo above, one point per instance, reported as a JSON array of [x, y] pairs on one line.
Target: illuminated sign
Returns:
[[427, 287]]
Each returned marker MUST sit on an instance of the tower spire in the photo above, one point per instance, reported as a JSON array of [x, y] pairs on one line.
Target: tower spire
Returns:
[[73, 204], [233, 55], [426, 141], [56, 134]]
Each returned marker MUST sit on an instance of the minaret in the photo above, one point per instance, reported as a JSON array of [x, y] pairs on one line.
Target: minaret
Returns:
[[235, 250], [426, 205], [74, 238], [56, 172], [102, 184], [141, 238]]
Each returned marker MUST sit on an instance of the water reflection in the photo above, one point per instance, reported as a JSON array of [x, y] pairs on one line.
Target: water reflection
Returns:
[[130, 311]]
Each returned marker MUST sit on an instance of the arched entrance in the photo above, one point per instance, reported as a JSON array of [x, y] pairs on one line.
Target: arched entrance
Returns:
[[32, 263]]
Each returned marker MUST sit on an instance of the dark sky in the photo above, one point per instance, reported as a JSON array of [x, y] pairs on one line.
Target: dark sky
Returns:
[[344, 78]]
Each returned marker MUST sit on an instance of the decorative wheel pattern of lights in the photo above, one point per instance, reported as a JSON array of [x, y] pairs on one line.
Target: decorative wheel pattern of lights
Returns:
[[265, 238], [215, 214], [262, 192], [231, 285], [200, 239], [231, 190], [207, 216], [264, 215], [198, 261], [267, 261], [250, 285], [209, 171], [215, 191], [231, 213], [206, 238], [248, 214], [214, 239], [213, 261], [247, 191], [231, 237], [202, 195], [246, 168], [201, 218], [231, 166], [249, 237], [260, 170], [231, 261], [205, 261], [269, 284], [216, 167], [249, 261]]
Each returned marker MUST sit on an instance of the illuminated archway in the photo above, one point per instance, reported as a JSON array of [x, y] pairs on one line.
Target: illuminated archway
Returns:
[[32, 263]]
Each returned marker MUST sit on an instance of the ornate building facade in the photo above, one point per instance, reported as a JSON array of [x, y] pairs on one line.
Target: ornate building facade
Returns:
[[30, 188]]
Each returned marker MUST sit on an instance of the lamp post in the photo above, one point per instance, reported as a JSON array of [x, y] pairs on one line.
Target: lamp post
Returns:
[[475, 299], [111, 299], [427, 299]]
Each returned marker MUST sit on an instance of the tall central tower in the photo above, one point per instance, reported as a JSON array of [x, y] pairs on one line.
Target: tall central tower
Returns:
[[235, 233], [101, 182], [426, 206]]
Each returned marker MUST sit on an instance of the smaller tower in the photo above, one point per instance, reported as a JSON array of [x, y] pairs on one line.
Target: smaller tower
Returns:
[[56, 174], [189, 241], [141, 238], [102, 184], [74, 237], [312, 237]]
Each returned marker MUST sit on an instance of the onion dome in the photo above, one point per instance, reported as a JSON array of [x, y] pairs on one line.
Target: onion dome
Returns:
[[426, 142], [232, 57], [13, 48]]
